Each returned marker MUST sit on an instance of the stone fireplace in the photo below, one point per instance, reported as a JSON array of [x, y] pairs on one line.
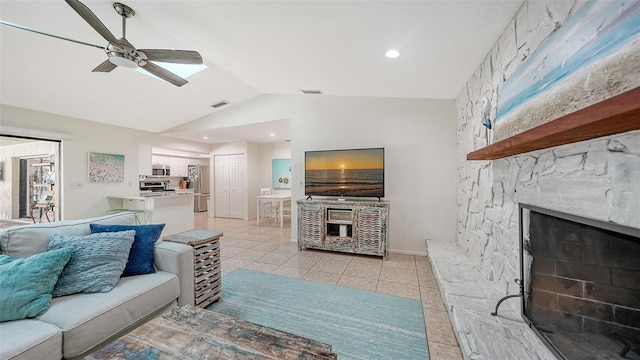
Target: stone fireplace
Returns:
[[581, 284], [593, 179]]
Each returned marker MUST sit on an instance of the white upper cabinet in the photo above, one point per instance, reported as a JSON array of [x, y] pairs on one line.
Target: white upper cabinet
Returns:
[[160, 159], [176, 165], [144, 159]]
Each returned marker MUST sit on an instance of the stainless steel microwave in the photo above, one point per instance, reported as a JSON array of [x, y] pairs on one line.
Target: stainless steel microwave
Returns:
[[160, 169]]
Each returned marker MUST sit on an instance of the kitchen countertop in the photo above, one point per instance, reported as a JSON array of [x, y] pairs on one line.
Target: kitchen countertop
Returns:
[[174, 209], [166, 193], [153, 195]]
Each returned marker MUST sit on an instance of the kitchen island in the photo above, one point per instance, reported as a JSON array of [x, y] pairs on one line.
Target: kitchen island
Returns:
[[174, 209]]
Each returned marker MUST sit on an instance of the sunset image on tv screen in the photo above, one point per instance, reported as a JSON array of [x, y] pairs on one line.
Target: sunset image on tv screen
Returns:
[[356, 172]]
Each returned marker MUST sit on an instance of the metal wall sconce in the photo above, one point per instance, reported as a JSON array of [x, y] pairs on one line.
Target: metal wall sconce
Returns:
[[486, 118]]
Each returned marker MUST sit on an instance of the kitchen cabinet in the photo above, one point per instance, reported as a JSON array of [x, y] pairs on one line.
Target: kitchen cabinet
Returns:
[[145, 159], [178, 166], [160, 159]]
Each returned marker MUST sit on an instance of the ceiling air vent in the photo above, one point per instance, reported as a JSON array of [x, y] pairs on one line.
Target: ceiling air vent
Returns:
[[220, 103], [311, 92]]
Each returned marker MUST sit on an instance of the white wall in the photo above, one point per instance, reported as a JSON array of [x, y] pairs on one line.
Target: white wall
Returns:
[[268, 152], [252, 181], [83, 136], [419, 140]]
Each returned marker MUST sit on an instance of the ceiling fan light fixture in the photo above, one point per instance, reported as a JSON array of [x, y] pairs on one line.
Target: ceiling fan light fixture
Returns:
[[122, 60]]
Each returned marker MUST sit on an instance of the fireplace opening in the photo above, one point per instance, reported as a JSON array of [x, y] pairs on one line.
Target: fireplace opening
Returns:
[[581, 284]]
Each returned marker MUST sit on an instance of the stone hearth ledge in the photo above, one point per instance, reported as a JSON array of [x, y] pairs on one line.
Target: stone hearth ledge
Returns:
[[470, 299]]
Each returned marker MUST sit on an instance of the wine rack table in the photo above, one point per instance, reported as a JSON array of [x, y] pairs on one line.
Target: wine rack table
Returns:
[[207, 276]]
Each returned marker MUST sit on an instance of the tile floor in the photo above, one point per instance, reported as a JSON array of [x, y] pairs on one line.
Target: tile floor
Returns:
[[268, 248]]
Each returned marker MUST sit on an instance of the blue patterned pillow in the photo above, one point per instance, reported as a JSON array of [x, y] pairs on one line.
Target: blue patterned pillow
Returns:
[[26, 284], [141, 254], [96, 263]]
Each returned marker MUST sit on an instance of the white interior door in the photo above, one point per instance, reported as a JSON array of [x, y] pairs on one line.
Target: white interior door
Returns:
[[236, 183], [221, 184]]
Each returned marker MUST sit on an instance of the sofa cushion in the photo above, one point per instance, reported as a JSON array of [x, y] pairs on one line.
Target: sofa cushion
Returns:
[[88, 320], [141, 255], [30, 339], [96, 263], [24, 241], [26, 284]]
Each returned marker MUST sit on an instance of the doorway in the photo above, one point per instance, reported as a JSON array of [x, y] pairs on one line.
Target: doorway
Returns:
[[229, 186], [29, 178]]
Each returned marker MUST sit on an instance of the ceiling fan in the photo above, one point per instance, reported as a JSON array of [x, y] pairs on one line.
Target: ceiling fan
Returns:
[[121, 52]]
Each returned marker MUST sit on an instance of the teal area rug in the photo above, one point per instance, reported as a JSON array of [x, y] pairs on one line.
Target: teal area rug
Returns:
[[358, 324]]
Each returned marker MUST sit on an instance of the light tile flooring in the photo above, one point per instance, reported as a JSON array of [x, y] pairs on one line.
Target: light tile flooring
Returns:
[[268, 248]]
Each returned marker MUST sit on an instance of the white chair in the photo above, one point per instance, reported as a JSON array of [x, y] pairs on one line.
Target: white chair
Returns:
[[286, 211], [268, 207]]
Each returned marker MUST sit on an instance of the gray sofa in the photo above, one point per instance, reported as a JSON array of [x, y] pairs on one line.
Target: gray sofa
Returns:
[[75, 325]]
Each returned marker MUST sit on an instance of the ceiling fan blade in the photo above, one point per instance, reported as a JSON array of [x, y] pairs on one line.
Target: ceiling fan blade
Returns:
[[21, 27], [173, 56], [92, 19], [105, 66], [163, 74]]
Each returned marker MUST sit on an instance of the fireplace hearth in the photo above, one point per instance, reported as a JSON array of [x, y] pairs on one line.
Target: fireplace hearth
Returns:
[[581, 286]]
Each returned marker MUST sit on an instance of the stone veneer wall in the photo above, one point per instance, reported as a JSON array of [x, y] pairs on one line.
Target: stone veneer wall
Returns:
[[599, 178]]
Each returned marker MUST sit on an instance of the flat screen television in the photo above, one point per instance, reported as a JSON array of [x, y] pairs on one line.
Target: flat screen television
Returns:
[[344, 173]]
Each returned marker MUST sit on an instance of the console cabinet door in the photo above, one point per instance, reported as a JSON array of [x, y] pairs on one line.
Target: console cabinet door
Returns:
[[370, 228], [310, 226]]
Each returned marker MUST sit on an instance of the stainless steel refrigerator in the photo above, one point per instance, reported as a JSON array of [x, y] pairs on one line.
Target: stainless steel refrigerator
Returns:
[[199, 182]]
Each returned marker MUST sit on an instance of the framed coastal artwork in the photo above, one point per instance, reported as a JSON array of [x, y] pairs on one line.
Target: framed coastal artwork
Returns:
[[106, 168], [591, 57], [281, 173]]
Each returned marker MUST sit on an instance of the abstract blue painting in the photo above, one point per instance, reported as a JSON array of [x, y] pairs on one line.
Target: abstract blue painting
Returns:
[[598, 30]]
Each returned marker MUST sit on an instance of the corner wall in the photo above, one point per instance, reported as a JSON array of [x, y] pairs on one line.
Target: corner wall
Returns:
[[596, 178]]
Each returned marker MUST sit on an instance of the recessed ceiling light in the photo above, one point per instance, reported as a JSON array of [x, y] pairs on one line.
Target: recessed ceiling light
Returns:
[[392, 54], [205, 137], [272, 134]]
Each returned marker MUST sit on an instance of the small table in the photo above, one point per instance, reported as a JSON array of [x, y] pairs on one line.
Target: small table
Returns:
[[207, 274], [191, 333], [276, 197]]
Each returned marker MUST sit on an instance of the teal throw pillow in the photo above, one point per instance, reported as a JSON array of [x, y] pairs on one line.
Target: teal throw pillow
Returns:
[[141, 254], [96, 263], [26, 284]]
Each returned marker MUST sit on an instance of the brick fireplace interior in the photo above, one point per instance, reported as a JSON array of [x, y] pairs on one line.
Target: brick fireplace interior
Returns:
[[582, 285]]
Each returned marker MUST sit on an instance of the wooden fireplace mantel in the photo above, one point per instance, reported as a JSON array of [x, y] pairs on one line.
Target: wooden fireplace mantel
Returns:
[[615, 115]]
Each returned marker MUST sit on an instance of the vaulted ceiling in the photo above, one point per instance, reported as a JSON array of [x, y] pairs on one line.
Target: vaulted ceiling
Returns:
[[249, 47]]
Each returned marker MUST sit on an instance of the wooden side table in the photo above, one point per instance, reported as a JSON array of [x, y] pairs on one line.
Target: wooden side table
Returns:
[[207, 274]]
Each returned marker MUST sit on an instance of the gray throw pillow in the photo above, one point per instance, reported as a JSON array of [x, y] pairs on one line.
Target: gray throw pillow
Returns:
[[96, 263]]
